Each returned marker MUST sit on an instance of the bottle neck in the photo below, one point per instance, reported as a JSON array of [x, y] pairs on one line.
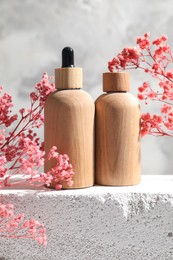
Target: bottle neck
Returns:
[[68, 78]]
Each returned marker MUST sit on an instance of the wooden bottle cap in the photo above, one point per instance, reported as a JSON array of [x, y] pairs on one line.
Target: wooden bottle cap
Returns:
[[116, 81], [68, 78]]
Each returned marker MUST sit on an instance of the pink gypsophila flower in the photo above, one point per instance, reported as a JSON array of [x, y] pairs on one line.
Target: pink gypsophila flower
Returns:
[[5, 110], [17, 227], [113, 64], [150, 123], [166, 108], [169, 74], [160, 40], [141, 96], [144, 87], [44, 88], [62, 171], [143, 42], [152, 94], [128, 56]]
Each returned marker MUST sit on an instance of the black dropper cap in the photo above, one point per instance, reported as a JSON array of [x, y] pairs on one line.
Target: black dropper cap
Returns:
[[67, 57]]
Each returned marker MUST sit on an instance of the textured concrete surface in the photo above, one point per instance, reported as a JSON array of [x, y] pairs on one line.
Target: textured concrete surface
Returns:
[[32, 34], [98, 223]]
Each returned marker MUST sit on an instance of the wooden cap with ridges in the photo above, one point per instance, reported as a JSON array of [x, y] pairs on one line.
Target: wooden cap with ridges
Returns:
[[116, 81], [68, 78]]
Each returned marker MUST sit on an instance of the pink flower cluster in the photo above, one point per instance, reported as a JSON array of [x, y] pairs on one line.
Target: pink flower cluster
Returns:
[[157, 124], [63, 170], [5, 108], [128, 56], [18, 227], [155, 58]]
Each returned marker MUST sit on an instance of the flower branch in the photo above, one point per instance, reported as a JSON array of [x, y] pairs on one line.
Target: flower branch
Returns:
[[154, 58]]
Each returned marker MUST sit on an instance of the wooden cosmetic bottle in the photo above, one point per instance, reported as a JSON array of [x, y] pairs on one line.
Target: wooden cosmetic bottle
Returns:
[[69, 122], [118, 161]]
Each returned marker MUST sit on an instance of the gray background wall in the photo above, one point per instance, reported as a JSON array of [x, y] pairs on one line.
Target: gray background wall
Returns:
[[32, 34]]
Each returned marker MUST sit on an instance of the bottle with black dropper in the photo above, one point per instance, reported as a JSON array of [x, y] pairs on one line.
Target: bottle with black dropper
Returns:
[[69, 122]]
